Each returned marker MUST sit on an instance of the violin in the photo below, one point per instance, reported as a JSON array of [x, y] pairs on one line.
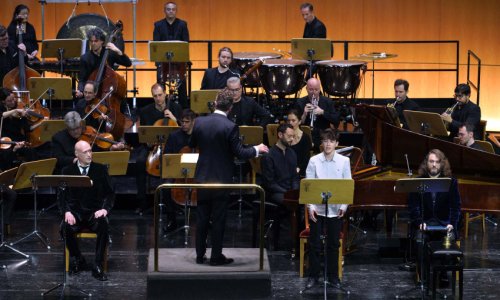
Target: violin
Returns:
[[96, 108], [103, 140], [6, 143]]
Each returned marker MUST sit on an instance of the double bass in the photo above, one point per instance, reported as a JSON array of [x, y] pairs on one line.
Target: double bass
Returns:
[[105, 78], [16, 80]]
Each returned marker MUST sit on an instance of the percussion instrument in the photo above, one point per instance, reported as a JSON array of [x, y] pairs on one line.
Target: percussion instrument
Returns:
[[340, 77], [283, 77], [245, 60]]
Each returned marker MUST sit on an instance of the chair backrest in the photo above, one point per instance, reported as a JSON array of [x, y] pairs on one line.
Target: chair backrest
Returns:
[[482, 129], [484, 145]]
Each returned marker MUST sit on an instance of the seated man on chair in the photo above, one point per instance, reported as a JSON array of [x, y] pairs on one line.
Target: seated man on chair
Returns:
[[87, 208], [279, 170], [466, 136], [439, 209]]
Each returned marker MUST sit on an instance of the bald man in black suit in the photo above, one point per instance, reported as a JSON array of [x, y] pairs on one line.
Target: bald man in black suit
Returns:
[[217, 137]]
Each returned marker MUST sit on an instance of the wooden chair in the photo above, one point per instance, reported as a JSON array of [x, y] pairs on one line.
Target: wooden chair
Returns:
[[304, 236], [87, 235]]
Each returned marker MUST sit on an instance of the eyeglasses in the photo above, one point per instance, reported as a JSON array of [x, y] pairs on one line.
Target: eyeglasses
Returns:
[[234, 90], [458, 96]]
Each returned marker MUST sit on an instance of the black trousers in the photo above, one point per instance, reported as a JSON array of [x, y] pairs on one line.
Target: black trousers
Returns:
[[212, 205], [99, 226], [333, 227], [8, 197]]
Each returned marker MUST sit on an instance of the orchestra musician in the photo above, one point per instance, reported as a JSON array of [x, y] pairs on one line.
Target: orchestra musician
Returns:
[[8, 160], [63, 142], [8, 54], [87, 208], [326, 165], [402, 101], [91, 60], [301, 143], [464, 111], [177, 141], [317, 111], [160, 109], [466, 136], [313, 28], [89, 93], [280, 173], [218, 140], [245, 110], [172, 28], [216, 78], [439, 209], [14, 124], [29, 44]]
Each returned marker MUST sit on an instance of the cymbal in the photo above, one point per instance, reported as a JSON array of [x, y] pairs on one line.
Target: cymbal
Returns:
[[374, 56]]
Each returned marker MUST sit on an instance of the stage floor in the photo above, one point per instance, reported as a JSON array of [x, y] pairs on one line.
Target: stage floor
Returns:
[[366, 274]]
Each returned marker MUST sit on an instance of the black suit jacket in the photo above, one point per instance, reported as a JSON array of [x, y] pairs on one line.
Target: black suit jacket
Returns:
[[218, 140], [83, 202], [315, 29], [63, 148], [469, 113], [212, 80], [179, 31], [248, 112], [445, 209]]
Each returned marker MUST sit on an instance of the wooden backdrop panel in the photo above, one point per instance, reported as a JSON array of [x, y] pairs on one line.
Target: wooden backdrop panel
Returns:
[[474, 23]]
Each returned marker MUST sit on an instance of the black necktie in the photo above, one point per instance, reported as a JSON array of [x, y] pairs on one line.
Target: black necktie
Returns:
[[84, 170]]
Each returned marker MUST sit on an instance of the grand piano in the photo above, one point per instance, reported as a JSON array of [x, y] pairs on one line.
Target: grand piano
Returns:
[[478, 172]]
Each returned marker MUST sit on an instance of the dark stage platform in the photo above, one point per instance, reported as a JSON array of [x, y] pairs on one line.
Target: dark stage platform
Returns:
[[367, 274]]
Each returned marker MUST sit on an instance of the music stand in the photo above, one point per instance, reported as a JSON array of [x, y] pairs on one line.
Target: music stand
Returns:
[[54, 88], [62, 182], [169, 52], [326, 191], [249, 135], [421, 186], [6, 179], [25, 178], [425, 123], [156, 135], [116, 162], [311, 50], [49, 128], [62, 49], [181, 165], [202, 102]]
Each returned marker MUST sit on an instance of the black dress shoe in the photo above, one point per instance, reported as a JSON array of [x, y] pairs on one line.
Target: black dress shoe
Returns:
[[334, 282], [99, 274], [171, 226], [222, 260], [311, 282], [201, 259], [79, 264]]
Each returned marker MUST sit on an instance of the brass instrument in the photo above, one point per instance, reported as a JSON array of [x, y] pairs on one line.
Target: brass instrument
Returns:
[[450, 110], [393, 114]]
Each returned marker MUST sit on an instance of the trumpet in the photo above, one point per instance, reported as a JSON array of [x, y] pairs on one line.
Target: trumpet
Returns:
[[314, 102], [450, 109]]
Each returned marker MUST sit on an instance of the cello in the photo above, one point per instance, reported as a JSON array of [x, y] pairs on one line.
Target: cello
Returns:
[[16, 80], [105, 78]]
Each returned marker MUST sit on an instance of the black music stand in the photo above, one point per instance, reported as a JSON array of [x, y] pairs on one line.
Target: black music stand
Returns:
[[54, 88], [426, 123], [156, 135], [181, 165], [25, 178], [319, 191], [421, 186], [169, 52], [62, 182], [6, 178], [62, 49], [249, 135], [311, 50], [202, 102]]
